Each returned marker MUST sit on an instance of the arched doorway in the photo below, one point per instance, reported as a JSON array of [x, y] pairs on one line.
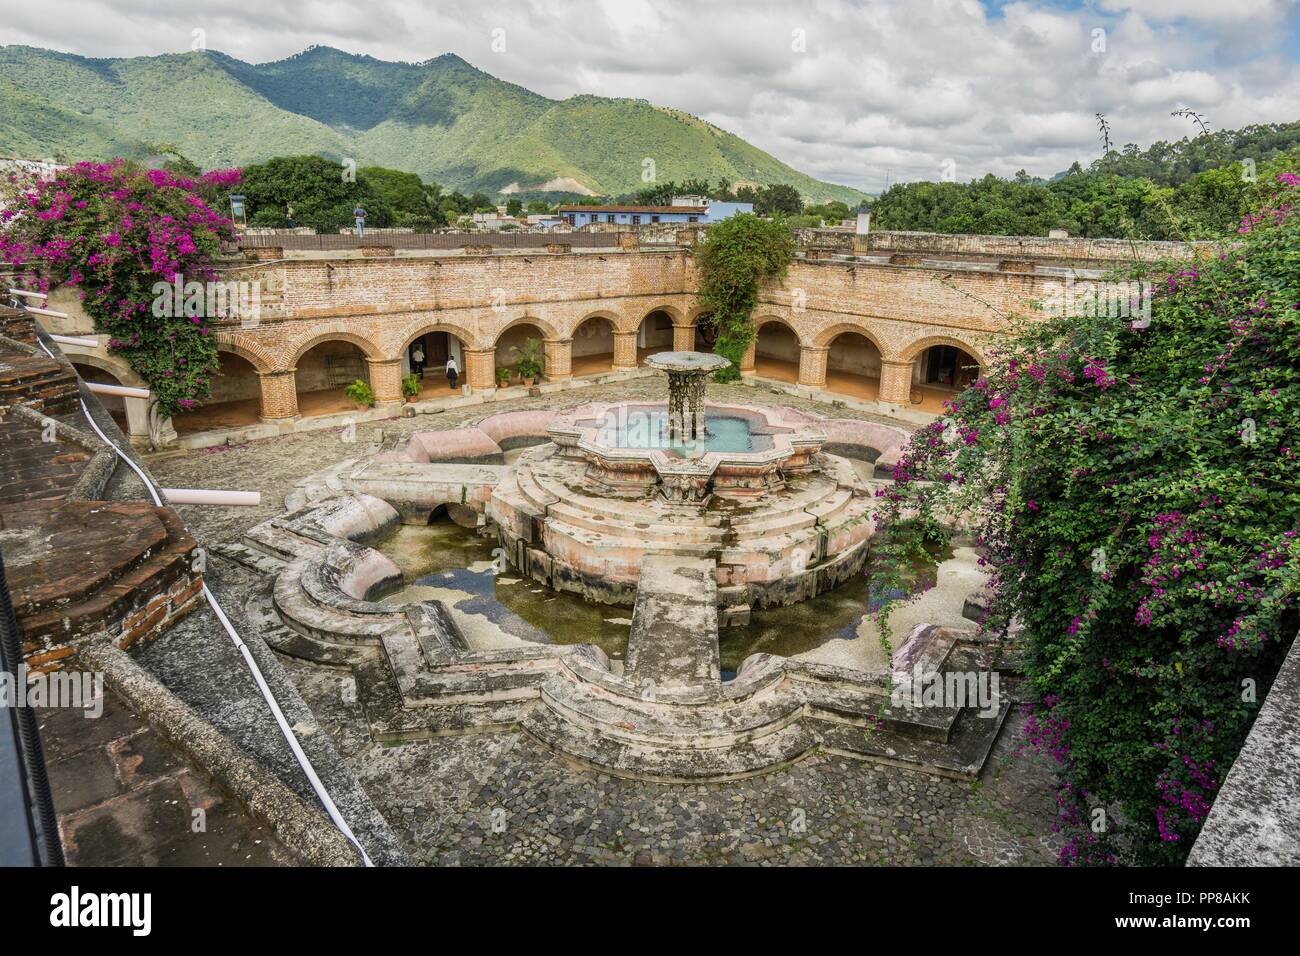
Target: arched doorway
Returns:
[[115, 405], [235, 399], [324, 371], [655, 334], [426, 357], [512, 344], [593, 347], [939, 373], [853, 366], [776, 352]]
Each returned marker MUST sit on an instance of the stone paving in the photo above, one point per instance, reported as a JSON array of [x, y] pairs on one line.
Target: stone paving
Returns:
[[505, 799], [125, 797]]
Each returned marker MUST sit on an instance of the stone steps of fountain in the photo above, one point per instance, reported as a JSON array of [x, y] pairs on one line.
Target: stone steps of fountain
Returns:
[[962, 755], [666, 763], [332, 625], [574, 514], [391, 721], [645, 722]]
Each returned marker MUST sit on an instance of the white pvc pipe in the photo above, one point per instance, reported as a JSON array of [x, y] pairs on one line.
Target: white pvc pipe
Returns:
[[122, 391], [29, 294], [50, 312], [205, 496], [75, 340]]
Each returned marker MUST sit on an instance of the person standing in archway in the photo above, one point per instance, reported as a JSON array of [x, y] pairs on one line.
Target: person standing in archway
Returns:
[[417, 359], [452, 372]]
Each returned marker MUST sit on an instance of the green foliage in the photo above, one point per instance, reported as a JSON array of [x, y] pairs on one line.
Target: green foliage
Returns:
[[413, 202], [361, 393], [1100, 203], [774, 199], [529, 358], [443, 120], [738, 255], [1136, 491], [410, 385], [317, 190]]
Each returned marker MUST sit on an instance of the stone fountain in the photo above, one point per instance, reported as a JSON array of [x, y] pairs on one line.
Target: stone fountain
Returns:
[[744, 488], [688, 374]]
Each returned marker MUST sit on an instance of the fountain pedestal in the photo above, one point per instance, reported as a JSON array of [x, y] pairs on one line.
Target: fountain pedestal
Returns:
[[687, 377]]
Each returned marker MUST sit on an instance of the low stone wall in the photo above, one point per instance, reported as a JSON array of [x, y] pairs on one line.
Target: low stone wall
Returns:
[[1254, 821]]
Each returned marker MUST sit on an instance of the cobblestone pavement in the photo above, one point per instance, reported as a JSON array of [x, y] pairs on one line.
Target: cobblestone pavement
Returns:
[[505, 799]]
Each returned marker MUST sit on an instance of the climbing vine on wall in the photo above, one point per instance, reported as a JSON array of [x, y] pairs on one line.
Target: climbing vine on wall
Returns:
[[738, 255], [117, 231], [1135, 487]]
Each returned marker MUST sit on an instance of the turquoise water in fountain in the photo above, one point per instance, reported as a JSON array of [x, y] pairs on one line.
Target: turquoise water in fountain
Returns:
[[649, 430]]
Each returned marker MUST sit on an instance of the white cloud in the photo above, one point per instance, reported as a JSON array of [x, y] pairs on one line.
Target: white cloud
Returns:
[[881, 87]]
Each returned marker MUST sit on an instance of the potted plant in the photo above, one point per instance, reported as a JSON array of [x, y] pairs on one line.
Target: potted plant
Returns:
[[529, 364], [410, 386], [360, 393], [503, 376]]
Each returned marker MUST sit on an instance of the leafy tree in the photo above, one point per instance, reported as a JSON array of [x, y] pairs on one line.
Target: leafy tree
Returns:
[[514, 207], [317, 189]]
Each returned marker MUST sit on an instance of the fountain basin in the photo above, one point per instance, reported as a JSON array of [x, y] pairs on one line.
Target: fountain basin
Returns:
[[628, 446]]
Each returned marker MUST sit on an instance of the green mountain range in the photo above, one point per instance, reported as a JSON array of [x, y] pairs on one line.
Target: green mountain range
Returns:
[[443, 119]]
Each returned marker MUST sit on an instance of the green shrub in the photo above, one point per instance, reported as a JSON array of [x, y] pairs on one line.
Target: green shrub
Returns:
[[1136, 490], [361, 393], [738, 255]]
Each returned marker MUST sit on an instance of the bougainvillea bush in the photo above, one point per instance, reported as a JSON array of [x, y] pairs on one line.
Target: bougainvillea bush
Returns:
[[114, 230], [1136, 489]]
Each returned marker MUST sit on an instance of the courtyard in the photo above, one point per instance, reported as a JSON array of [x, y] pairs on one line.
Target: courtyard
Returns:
[[504, 797]]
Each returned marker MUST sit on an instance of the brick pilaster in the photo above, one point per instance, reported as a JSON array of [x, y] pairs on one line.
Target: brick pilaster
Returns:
[[625, 350], [559, 359], [386, 380], [812, 366], [480, 368], [895, 382], [279, 395]]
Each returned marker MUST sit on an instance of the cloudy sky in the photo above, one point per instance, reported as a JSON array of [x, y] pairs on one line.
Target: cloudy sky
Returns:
[[852, 91]]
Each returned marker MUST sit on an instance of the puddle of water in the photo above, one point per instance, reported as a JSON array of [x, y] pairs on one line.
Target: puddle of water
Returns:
[[455, 565]]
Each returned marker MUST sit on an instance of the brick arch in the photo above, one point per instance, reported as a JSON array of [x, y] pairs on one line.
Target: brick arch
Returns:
[[547, 329], [617, 321], [366, 345], [407, 335], [770, 318], [246, 348], [825, 337], [117, 368], [674, 312], [912, 351]]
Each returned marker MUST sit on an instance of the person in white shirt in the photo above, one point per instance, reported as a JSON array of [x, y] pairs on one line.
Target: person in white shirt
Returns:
[[452, 371]]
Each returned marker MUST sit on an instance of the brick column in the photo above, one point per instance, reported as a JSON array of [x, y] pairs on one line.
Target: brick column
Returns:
[[559, 359], [683, 338], [895, 382], [480, 368], [625, 350], [812, 366], [386, 380], [747, 360], [279, 395]]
